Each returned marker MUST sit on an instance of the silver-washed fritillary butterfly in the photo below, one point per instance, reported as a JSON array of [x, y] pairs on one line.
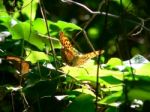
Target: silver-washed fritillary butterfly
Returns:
[[71, 56]]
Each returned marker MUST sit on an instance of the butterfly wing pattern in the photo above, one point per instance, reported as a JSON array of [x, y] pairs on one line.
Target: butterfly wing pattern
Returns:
[[68, 53], [71, 56]]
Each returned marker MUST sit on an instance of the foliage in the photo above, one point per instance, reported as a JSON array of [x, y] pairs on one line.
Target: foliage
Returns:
[[34, 77]]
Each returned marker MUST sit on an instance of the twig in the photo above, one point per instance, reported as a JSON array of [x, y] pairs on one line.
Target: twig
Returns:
[[88, 22], [93, 16], [89, 10], [138, 32], [12, 101], [50, 40], [103, 13], [25, 102], [87, 39]]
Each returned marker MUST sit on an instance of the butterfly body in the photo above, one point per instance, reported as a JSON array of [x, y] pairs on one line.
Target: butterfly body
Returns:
[[71, 56]]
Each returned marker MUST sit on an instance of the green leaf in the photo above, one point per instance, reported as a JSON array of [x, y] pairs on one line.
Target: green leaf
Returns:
[[23, 30], [82, 72], [6, 20], [85, 90], [114, 62], [35, 56], [40, 25], [111, 79], [114, 99], [67, 26], [54, 27], [3, 11], [88, 71], [82, 103], [139, 94], [138, 89]]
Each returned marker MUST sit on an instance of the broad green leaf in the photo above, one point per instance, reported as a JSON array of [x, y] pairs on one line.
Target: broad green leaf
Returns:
[[40, 25], [23, 30], [138, 89], [114, 62], [114, 99], [88, 72], [67, 26], [6, 21], [54, 27], [139, 94], [35, 56], [82, 103], [81, 70]]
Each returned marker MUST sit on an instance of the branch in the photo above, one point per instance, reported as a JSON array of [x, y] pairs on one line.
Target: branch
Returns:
[[104, 13], [89, 10]]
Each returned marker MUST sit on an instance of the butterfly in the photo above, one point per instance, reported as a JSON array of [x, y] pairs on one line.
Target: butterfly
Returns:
[[71, 56]]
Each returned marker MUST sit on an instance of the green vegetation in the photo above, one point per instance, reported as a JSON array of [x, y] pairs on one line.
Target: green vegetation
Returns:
[[33, 76]]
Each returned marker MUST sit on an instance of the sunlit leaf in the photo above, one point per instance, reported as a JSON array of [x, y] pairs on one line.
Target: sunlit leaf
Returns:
[[40, 25], [114, 62], [88, 72], [86, 91], [23, 30], [35, 56], [67, 26]]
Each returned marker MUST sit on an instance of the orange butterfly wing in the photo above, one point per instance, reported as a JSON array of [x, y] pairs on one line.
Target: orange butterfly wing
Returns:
[[82, 58], [65, 42], [71, 56], [68, 52]]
